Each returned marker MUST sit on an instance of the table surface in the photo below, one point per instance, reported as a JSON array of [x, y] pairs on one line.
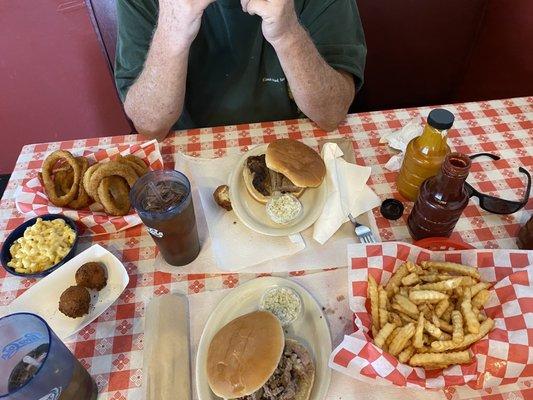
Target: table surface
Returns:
[[111, 347]]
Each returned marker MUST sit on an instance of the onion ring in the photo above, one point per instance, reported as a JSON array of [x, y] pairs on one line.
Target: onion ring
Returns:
[[108, 169], [134, 162], [49, 185], [83, 199], [113, 192], [87, 178]]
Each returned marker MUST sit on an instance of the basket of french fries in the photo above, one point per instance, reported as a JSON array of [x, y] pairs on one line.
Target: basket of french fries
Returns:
[[436, 319]]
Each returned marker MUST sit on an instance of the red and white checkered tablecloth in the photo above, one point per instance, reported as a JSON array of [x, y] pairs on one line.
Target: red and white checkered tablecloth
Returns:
[[111, 347]]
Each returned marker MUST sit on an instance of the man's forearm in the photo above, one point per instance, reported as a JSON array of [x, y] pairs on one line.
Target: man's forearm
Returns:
[[322, 93], [155, 101]]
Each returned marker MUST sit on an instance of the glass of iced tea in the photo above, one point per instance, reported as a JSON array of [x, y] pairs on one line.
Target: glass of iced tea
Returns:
[[163, 200]]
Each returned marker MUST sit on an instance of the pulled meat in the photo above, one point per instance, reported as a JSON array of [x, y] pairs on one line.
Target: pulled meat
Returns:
[[283, 384], [266, 181], [261, 174]]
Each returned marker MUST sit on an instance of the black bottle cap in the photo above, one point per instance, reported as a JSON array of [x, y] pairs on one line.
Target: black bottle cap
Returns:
[[440, 119], [392, 209]]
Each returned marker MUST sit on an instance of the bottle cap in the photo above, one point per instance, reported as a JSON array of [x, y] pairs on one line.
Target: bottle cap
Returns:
[[440, 119], [392, 209]]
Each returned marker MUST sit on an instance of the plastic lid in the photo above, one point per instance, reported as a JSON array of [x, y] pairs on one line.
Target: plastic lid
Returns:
[[440, 119], [392, 209]]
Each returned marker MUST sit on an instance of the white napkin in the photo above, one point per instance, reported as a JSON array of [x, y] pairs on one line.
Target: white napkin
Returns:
[[400, 139], [347, 193], [233, 245]]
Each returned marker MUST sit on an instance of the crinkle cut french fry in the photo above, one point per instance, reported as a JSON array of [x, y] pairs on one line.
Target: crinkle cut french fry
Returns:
[[431, 296], [374, 301], [468, 281], [432, 329], [445, 326], [469, 339], [394, 282], [412, 267], [424, 309], [447, 315], [442, 285], [383, 305], [410, 308], [481, 298], [391, 337], [445, 336], [395, 318], [441, 307], [406, 354], [400, 341], [383, 334], [410, 279], [478, 287], [402, 313], [418, 339], [457, 322], [458, 269], [472, 324], [459, 357]]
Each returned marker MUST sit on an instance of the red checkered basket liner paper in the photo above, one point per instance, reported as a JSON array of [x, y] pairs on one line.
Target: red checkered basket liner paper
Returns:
[[504, 356], [32, 201]]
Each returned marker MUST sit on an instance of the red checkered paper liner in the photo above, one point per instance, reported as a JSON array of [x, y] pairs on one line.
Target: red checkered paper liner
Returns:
[[32, 201], [504, 356]]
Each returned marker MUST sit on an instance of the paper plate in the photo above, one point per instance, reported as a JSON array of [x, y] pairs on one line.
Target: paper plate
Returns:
[[43, 297], [310, 329], [253, 214]]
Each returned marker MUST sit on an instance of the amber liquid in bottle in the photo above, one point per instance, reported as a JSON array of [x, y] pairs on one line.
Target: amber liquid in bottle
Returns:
[[441, 200], [423, 158]]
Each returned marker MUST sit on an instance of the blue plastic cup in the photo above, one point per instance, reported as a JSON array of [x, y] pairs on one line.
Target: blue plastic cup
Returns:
[[35, 364]]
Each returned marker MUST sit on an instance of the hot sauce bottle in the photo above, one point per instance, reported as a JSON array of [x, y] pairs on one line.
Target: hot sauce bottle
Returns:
[[525, 235], [441, 200], [424, 154]]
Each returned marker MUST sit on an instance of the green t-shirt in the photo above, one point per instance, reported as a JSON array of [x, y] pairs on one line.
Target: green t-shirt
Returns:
[[234, 75]]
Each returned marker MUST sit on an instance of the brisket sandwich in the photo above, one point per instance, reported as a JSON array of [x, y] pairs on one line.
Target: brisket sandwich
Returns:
[[289, 166], [250, 359]]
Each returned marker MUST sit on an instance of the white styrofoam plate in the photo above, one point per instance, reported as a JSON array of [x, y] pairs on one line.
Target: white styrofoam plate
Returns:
[[310, 329], [43, 297], [253, 213]]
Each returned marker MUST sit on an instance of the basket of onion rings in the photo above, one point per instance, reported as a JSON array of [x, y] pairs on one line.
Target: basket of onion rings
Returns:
[[91, 187]]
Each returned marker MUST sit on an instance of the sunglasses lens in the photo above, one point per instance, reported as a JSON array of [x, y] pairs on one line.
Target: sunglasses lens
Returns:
[[499, 206]]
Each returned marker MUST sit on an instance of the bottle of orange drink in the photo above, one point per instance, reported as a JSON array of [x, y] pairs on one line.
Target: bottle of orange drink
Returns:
[[425, 153]]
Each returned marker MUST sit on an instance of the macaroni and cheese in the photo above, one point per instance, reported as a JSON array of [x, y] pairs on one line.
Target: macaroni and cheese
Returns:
[[43, 245]]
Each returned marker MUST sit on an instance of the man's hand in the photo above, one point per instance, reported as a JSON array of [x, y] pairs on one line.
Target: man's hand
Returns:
[[279, 17], [181, 19]]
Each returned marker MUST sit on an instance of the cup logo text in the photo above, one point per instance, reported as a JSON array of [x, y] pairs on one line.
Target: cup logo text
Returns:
[[12, 348]]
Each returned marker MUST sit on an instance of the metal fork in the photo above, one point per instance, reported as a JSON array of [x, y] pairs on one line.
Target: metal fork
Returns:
[[363, 232]]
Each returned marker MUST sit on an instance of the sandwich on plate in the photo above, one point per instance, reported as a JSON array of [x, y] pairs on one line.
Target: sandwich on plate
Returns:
[[250, 359], [288, 166]]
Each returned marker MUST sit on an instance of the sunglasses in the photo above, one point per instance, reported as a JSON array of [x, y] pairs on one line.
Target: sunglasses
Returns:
[[496, 205]]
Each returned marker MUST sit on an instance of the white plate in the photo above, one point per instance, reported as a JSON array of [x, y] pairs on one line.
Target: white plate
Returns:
[[310, 329], [253, 214], [43, 297]]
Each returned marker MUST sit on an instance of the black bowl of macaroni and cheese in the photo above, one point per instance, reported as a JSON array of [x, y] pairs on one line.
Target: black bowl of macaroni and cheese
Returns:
[[40, 245]]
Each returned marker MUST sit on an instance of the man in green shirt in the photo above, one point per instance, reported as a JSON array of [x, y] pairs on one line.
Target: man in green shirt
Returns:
[[193, 63]]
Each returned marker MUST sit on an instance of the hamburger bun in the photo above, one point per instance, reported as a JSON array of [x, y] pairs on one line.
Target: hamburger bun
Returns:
[[260, 197], [297, 161], [244, 354]]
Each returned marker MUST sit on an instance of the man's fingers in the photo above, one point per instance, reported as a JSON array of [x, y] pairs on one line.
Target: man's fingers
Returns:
[[244, 4], [258, 7]]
